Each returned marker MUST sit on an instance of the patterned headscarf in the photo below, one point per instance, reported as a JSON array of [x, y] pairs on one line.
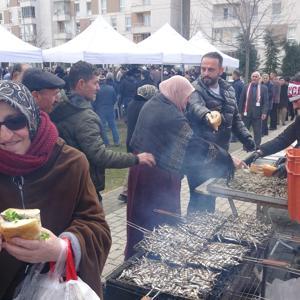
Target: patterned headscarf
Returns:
[[147, 91], [18, 96]]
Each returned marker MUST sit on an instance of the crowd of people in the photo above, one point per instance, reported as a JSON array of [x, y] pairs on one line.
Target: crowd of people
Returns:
[[54, 149]]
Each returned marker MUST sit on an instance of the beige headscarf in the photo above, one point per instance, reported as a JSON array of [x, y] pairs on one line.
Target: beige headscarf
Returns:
[[177, 89]]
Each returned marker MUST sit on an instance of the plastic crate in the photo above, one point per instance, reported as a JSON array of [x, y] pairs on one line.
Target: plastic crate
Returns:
[[293, 175]]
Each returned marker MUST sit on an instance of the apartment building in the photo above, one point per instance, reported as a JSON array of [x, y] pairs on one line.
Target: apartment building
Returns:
[[48, 23], [221, 24]]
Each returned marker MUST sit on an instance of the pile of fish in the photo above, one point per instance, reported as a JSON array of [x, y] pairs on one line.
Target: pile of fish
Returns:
[[244, 229], [182, 282], [258, 184], [189, 257]]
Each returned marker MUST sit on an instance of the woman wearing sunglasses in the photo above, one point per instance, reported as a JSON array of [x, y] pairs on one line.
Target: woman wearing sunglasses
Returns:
[[38, 170]]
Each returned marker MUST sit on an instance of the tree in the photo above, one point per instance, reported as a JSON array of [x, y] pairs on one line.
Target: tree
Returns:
[[291, 60], [253, 57], [245, 15], [272, 51]]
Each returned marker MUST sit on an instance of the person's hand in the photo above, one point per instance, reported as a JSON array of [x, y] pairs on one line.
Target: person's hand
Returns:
[[280, 172], [146, 159], [214, 119], [263, 116], [238, 163], [249, 145], [252, 157], [36, 251]]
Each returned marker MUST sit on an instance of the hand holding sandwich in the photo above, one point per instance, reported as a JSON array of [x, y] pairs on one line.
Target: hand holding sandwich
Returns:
[[36, 251]]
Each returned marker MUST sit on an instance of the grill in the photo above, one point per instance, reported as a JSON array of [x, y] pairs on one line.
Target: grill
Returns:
[[234, 279], [216, 189]]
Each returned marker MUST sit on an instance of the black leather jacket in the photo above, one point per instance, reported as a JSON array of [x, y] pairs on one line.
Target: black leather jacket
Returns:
[[203, 100]]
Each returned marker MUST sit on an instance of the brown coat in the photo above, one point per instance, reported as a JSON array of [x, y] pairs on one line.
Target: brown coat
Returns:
[[62, 189]]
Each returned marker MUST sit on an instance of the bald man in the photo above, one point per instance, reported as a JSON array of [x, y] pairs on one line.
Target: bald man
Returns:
[[254, 105]]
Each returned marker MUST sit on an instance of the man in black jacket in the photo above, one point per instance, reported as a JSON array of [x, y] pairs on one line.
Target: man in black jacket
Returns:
[[214, 96]]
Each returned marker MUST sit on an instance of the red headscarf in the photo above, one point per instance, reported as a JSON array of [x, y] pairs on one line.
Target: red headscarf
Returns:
[[39, 152]]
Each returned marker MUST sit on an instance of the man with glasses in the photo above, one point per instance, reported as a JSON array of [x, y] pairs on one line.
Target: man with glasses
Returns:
[[254, 106]]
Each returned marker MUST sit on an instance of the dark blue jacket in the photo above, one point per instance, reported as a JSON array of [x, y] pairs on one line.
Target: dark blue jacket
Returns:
[[105, 99], [238, 87]]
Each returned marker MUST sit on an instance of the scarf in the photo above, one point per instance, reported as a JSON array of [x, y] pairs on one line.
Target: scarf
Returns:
[[177, 89], [37, 155], [249, 95], [294, 91]]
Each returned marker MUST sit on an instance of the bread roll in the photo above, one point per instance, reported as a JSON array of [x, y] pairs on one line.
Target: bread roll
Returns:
[[23, 223]]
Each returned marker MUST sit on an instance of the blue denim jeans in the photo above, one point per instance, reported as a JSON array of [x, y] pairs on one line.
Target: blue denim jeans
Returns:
[[108, 118]]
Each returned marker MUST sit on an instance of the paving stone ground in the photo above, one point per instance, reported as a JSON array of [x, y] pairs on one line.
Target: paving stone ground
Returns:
[[115, 210]]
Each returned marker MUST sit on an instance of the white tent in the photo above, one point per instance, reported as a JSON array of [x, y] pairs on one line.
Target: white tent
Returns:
[[101, 44], [205, 46], [175, 48], [13, 49]]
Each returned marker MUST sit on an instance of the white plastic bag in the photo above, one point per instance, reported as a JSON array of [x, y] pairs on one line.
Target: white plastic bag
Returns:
[[50, 286]]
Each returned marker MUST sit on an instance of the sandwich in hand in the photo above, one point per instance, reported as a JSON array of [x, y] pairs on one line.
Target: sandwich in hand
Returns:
[[22, 223]]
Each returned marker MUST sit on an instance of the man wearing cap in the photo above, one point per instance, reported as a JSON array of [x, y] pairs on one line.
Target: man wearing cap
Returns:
[[44, 87]]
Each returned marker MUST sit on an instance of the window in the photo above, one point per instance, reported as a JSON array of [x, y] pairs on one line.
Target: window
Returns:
[[122, 5], [61, 27], [147, 20], [1, 18], [29, 32], [89, 8], [77, 9], [28, 12], [217, 34], [291, 33], [254, 10], [113, 21], [276, 7], [225, 13], [128, 23], [146, 2], [103, 6], [77, 27]]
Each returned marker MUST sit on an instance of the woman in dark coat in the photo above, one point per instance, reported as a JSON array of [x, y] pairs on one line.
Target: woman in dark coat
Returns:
[[163, 130]]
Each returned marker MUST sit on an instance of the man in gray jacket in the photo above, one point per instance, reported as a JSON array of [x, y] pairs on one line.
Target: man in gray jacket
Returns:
[[80, 127], [213, 97]]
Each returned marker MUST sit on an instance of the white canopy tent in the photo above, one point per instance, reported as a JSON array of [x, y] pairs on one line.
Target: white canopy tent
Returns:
[[205, 46], [13, 49], [175, 48], [101, 44]]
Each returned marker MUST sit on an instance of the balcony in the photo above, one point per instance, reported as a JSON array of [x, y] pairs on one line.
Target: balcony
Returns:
[[140, 6], [140, 28], [61, 15], [63, 36]]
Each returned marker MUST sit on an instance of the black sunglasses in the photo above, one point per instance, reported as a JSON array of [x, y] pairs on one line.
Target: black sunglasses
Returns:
[[15, 122]]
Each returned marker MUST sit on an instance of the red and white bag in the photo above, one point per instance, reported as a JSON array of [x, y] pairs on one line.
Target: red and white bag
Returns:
[[51, 286]]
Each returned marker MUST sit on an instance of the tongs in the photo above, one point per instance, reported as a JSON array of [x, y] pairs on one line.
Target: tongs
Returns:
[[148, 297]]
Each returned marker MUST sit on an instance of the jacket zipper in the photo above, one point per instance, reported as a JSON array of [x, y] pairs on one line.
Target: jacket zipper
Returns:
[[19, 182]]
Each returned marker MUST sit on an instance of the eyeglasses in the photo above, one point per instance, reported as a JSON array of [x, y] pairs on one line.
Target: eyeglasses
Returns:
[[15, 123]]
